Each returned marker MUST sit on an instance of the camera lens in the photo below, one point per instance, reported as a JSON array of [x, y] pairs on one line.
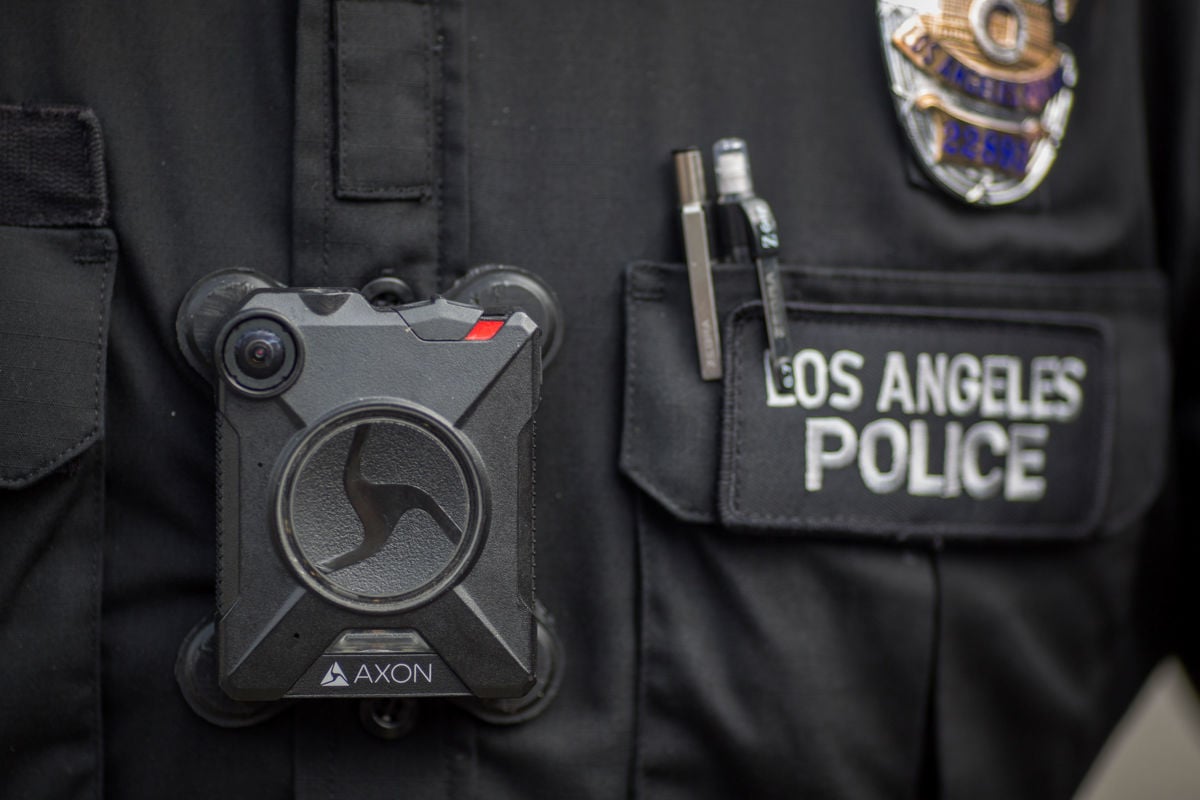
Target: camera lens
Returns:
[[259, 353]]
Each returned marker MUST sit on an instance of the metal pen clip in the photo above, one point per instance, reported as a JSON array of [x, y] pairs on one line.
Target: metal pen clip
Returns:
[[750, 234], [693, 196]]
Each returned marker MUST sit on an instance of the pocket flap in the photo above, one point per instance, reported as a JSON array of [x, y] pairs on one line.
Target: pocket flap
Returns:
[[55, 286], [1052, 391]]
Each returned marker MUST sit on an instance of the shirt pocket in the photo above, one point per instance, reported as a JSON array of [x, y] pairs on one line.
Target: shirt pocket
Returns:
[[57, 261], [790, 593]]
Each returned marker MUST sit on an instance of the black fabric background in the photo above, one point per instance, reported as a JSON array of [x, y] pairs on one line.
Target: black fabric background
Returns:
[[885, 671]]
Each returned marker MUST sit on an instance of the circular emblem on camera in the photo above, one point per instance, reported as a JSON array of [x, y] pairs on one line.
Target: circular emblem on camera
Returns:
[[381, 507]]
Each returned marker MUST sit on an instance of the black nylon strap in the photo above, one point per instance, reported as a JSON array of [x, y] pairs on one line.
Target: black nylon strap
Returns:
[[387, 99], [51, 167], [368, 162]]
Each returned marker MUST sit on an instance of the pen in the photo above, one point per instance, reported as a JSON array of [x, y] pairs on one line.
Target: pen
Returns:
[[749, 234], [693, 196]]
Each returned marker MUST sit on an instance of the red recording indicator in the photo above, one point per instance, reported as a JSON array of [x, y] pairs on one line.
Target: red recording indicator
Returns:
[[484, 329]]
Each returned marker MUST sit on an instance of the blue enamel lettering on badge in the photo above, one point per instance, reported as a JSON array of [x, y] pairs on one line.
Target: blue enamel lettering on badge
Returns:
[[982, 89]]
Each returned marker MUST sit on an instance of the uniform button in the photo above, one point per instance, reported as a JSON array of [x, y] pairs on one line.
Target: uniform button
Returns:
[[388, 718]]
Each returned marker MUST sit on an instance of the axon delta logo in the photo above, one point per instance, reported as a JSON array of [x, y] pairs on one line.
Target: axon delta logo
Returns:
[[399, 673]]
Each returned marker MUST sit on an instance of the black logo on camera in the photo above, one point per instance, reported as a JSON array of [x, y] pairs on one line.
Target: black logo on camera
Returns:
[[380, 506]]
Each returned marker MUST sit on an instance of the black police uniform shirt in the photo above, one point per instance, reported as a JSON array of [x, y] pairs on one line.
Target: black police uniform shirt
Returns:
[[729, 629]]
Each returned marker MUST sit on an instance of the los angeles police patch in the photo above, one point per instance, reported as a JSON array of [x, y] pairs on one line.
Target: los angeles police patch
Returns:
[[982, 89], [972, 424]]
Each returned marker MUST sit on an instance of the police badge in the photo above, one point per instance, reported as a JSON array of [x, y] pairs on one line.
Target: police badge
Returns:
[[982, 89]]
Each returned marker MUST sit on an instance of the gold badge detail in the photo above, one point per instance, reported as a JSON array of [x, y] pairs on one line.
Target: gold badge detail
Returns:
[[983, 90]]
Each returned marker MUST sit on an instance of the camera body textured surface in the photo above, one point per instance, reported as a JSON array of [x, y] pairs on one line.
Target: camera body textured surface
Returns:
[[375, 476]]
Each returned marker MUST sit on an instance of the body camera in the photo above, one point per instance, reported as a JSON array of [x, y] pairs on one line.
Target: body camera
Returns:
[[375, 473]]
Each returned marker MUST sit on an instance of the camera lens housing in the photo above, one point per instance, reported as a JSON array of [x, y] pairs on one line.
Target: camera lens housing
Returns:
[[260, 355]]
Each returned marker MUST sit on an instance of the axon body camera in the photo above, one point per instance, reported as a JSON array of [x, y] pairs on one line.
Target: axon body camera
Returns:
[[375, 472]]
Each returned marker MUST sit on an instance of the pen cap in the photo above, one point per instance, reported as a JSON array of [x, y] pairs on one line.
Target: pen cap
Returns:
[[732, 166], [689, 174]]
